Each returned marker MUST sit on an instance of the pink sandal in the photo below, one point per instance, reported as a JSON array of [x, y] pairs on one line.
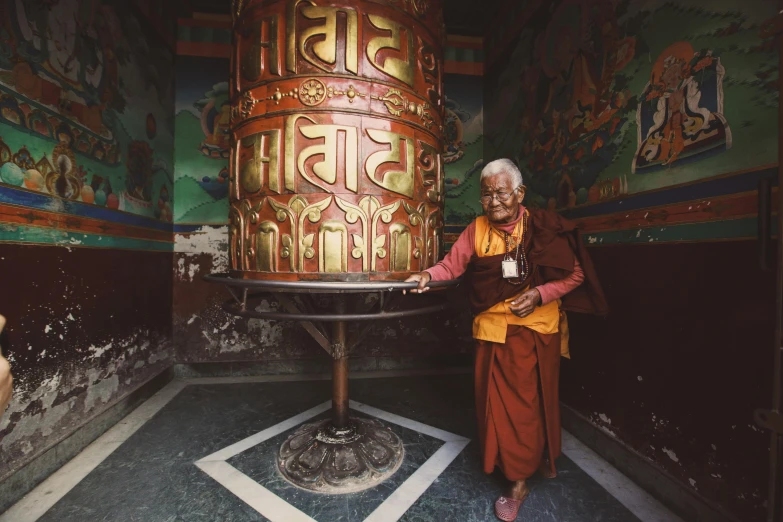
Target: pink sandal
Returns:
[[507, 509]]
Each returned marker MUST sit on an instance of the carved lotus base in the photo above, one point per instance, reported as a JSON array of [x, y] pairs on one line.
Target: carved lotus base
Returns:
[[321, 458]]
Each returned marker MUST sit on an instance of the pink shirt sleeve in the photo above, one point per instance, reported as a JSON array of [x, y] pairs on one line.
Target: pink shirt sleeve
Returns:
[[557, 289], [456, 261]]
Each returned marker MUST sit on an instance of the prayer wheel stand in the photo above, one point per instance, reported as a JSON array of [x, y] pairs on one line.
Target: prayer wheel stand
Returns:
[[342, 454]]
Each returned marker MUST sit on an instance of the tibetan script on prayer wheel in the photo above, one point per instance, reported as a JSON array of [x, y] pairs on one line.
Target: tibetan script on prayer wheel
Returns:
[[336, 127]]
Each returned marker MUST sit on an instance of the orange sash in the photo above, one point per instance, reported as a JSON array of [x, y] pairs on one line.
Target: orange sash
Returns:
[[491, 325]]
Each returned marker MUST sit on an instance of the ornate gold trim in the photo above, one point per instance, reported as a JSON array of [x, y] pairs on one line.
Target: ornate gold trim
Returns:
[[312, 92], [346, 110], [336, 76]]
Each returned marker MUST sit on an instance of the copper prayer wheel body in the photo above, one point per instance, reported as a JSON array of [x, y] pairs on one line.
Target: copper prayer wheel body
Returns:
[[336, 128]]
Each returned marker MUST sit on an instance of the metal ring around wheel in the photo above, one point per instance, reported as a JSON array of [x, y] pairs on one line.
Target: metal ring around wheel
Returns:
[[234, 308], [239, 306], [323, 287]]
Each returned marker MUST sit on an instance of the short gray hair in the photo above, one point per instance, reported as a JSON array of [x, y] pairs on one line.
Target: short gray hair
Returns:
[[502, 166]]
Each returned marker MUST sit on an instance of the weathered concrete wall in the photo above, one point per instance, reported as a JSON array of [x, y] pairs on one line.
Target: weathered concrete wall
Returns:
[[680, 366], [85, 327]]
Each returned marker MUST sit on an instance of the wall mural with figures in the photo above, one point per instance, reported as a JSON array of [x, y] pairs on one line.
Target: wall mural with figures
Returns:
[[463, 148], [601, 98], [201, 140], [86, 95]]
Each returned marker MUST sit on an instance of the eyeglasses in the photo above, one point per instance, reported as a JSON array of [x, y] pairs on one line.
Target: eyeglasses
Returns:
[[503, 197]]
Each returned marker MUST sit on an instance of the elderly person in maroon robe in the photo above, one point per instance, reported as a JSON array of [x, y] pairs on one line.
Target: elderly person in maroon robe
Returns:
[[524, 268]]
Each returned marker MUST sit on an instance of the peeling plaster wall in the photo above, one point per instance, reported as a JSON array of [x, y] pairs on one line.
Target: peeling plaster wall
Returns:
[[85, 328], [681, 364], [86, 264], [202, 330]]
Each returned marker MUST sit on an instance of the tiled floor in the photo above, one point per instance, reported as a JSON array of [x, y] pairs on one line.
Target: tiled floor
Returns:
[[150, 468]]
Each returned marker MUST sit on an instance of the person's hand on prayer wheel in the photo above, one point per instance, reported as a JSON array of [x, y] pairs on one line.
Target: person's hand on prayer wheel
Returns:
[[6, 381], [422, 278], [525, 303]]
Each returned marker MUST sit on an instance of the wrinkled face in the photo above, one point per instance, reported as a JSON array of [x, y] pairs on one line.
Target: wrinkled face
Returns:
[[504, 206]]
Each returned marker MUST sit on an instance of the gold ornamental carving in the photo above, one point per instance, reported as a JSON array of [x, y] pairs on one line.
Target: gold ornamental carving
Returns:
[[336, 126]]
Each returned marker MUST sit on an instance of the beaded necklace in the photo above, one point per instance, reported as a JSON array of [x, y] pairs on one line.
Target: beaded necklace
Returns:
[[507, 240]]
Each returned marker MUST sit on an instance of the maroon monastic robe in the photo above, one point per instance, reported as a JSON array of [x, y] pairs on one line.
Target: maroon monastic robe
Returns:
[[517, 401]]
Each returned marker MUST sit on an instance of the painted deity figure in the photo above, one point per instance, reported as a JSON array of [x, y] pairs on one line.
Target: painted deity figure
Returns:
[[571, 109], [681, 113]]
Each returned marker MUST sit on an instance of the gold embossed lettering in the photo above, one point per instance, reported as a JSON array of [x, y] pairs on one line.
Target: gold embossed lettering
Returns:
[[261, 54], [263, 158], [395, 67], [399, 181], [326, 170], [430, 67], [290, 150], [430, 170], [319, 44]]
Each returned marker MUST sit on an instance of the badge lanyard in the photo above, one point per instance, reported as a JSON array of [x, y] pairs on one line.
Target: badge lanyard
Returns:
[[511, 266]]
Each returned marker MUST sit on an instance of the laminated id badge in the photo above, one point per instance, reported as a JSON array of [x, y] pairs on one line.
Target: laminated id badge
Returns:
[[510, 269]]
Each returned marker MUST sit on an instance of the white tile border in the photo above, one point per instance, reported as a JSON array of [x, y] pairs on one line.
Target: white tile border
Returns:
[[634, 498], [276, 509], [251, 492], [254, 440], [33, 505], [45, 495]]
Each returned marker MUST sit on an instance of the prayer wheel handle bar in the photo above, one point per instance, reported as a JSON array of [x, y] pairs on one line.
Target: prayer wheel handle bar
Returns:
[[241, 305], [235, 308], [764, 243], [323, 287]]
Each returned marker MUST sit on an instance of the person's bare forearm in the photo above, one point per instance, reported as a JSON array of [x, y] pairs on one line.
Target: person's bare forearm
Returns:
[[6, 381]]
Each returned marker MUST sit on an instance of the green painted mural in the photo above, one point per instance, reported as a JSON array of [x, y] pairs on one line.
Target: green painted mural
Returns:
[[464, 133], [86, 113], [201, 140], [597, 99]]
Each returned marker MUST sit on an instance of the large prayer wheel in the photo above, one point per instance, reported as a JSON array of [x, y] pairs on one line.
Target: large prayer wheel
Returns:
[[336, 127]]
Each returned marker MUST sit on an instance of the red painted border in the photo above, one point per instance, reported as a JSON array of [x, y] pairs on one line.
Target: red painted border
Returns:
[[464, 42], [697, 211], [467, 68], [10, 214]]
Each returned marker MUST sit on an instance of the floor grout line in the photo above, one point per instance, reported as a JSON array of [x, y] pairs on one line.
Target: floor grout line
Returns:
[[626, 491]]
